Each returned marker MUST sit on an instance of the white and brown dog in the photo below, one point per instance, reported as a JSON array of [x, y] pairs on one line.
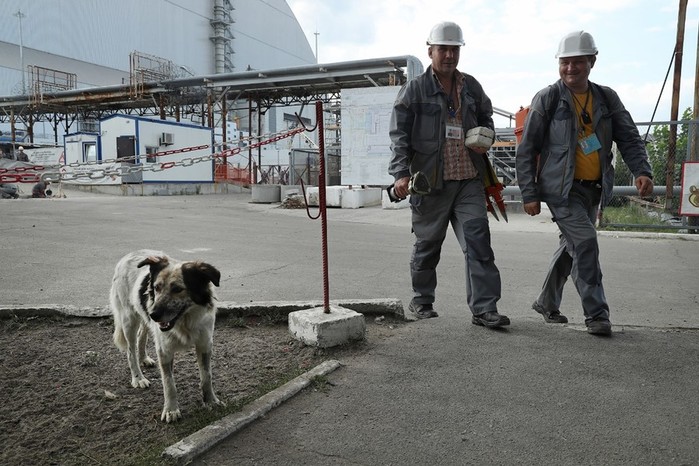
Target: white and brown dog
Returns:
[[174, 301]]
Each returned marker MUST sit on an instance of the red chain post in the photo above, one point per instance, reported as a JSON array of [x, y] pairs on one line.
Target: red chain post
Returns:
[[322, 204]]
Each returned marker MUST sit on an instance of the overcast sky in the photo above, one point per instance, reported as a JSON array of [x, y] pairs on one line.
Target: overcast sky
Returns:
[[511, 44]]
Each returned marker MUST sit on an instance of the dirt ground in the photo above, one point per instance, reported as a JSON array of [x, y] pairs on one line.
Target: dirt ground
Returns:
[[67, 398]]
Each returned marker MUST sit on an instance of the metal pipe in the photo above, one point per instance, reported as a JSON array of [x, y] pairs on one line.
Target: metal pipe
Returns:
[[249, 147], [259, 133], [364, 66], [21, 15], [219, 37], [616, 190]]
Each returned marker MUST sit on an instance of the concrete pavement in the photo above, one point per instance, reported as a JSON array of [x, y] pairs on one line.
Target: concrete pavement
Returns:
[[440, 391]]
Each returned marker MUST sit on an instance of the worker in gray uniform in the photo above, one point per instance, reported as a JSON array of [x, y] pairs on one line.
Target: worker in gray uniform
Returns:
[[430, 161], [565, 159]]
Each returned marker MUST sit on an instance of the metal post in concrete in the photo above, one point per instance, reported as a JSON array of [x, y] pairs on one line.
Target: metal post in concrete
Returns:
[[694, 131]]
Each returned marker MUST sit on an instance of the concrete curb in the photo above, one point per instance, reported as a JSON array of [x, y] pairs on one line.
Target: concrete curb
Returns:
[[199, 442], [225, 308], [188, 448], [648, 235], [53, 310]]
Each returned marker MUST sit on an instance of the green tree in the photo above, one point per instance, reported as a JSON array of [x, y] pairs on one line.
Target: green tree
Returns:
[[659, 148]]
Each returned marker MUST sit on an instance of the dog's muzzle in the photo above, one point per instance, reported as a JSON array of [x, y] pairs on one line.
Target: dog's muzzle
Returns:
[[159, 316]]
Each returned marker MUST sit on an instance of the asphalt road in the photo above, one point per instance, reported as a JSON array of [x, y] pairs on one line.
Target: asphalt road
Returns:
[[441, 391]]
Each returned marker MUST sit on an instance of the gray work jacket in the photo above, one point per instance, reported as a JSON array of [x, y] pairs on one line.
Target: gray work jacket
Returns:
[[551, 129], [418, 126]]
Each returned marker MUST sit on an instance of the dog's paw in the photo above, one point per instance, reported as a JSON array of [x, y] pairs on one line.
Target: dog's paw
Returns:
[[214, 402], [140, 382], [148, 361], [170, 416]]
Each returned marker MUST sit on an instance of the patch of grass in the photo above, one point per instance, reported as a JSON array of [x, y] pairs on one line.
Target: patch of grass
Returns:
[[320, 383], [204, 416], [263, 318], [630, 215], [235, 322], [90, 359], [14, 322]]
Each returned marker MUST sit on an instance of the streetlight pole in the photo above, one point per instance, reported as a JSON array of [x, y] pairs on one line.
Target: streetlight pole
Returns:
[[21, 15], [316, 34]]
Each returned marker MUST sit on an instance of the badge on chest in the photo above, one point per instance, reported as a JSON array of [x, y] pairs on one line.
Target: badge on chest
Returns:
[[455, 132]]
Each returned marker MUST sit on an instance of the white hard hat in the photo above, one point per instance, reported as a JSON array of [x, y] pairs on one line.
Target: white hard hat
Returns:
[[576, 44], [446, 33], [21, 148]]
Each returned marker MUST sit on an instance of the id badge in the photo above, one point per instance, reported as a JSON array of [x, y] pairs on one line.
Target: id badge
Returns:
[[455, 132], [589, 144]]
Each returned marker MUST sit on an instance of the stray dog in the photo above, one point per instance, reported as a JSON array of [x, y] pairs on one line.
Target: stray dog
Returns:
[[174, 301]]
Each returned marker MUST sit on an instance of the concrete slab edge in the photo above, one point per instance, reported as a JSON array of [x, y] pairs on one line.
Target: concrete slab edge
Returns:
[[649, 235], [363, 306], [199, 442], [53, 310]]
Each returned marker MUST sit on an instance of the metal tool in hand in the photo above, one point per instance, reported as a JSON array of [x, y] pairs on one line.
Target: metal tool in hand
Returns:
[[482, 137], [493, 190], [418, 184]]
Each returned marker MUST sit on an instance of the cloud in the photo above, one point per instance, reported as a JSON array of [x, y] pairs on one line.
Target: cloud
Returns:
[[511, 44]]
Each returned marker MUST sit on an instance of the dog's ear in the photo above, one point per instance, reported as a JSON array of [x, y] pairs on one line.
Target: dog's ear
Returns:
[[156, 263], [203, 271]]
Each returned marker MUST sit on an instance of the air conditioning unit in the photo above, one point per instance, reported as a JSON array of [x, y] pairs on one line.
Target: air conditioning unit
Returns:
[[167, 139]]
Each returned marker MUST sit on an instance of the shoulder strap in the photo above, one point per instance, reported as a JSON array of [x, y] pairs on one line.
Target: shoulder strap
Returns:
[[602, 91], [555, 97]]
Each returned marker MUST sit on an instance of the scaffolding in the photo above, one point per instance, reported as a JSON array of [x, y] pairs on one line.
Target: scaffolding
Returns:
[[45, 80], [144, 68]]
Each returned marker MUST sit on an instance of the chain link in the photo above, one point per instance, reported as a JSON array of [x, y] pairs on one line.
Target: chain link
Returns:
[[14, 175]]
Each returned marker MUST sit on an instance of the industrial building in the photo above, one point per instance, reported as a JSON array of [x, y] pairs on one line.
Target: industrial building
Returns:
[[244, 69], [57, 45]]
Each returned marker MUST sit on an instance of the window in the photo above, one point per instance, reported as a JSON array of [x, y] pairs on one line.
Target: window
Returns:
[[89, 152], [151, 158]]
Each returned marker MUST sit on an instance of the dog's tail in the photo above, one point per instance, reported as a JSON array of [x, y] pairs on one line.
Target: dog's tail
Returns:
[[116, 304], [119, 337]]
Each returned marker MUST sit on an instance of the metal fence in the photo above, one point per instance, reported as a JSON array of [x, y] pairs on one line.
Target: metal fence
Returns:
[[669, 145]]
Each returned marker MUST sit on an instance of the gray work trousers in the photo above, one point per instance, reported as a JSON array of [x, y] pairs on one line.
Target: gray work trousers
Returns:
[[461, 203], [577, 254]]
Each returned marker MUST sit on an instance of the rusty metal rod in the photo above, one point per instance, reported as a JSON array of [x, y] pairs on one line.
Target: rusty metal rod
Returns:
[[322, 204]]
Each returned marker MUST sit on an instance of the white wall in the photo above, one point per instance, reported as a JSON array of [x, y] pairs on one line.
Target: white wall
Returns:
[[366, 146], [73, 149], [73, 144], [148, 133]]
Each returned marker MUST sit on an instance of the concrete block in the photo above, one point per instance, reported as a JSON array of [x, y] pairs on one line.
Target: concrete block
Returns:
[[345, 197], [316, 328], [387, 204], [514, 207], [266, 193], [480, 136], [354, 198], [333, 196]]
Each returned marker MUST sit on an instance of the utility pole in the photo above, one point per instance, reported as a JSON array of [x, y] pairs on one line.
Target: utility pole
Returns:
[[674, 111], [694, 131], [21, 15]]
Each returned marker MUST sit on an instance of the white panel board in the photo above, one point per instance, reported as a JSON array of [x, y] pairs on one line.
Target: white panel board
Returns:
[[689, 204], [366, 147]]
